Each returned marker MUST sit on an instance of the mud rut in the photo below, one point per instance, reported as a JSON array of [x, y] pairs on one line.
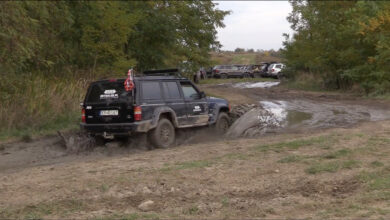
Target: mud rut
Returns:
[[272, 110]]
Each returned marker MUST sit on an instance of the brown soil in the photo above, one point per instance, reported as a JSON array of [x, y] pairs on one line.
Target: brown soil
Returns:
[[236, 179]]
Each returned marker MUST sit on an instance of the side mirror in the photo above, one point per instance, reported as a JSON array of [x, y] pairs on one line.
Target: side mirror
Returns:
[[202, 95]]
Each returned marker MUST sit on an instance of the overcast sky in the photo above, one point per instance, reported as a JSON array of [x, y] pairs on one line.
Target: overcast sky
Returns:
[[254, 24]]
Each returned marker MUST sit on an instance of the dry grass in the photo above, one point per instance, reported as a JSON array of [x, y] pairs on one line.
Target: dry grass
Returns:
[[39, 103]]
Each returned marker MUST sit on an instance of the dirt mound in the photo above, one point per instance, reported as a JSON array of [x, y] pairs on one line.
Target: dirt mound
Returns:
[[255, 122]]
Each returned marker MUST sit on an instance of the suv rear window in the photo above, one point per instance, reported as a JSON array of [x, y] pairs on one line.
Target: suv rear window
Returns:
[[113, 91], [151, 90]]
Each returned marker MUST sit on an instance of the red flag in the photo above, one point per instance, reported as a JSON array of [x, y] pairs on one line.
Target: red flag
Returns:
[[129, 83]]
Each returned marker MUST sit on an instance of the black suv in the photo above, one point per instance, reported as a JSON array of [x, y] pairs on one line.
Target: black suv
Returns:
[[161, 102]]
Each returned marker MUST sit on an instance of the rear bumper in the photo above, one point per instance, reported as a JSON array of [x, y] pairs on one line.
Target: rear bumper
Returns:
[[117, 128]]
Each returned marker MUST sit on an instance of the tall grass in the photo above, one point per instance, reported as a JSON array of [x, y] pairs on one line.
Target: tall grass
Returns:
[[37, 103]]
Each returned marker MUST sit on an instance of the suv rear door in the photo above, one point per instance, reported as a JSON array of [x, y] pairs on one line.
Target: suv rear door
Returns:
[[196, 106], [108, 102], [150, 96]]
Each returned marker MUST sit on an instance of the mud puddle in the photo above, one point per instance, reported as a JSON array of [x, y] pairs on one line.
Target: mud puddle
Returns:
[[309, 114], [282, 116], [249, 85]]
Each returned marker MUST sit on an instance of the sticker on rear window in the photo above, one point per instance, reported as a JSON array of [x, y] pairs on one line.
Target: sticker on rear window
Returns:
[[109, 94]]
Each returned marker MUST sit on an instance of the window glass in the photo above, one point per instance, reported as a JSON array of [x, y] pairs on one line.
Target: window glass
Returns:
[[189, 91], [278, 66], [151, 90], [108, 91], [171, 90]]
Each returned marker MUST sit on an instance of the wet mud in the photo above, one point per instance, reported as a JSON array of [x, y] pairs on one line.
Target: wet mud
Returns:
[[270, 110]]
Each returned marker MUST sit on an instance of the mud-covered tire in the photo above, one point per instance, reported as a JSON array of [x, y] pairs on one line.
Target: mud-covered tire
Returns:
[[163, 135], [222, 124]]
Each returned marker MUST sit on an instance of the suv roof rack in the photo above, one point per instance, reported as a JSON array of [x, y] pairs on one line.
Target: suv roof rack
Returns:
[[162, 72]]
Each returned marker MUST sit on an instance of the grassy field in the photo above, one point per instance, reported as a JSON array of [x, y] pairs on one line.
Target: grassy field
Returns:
[[337, 173]]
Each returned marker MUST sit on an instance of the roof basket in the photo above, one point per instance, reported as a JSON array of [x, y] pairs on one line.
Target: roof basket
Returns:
[[162, 72]]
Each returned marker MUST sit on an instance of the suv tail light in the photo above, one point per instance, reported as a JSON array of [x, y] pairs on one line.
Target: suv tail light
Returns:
[[83, 115], [272, 70], [137, 113]]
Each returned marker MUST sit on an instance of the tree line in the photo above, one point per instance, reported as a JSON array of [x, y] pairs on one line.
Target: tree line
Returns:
[[343, 43], [51, 36]]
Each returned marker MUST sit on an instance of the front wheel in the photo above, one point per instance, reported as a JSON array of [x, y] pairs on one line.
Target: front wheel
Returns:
[[163, 135], [222, 124]]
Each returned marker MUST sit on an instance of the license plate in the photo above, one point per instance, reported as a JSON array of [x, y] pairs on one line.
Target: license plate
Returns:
[[108, 112]]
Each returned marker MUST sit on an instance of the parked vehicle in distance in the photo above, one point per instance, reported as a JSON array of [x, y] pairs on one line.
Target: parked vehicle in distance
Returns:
[[264, 68], [275, 70], [253, 70], [228, 71], [160, 102]]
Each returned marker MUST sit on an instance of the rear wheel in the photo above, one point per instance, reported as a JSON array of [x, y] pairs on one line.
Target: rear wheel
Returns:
[[222, 124], [163, 135], [224, 76]]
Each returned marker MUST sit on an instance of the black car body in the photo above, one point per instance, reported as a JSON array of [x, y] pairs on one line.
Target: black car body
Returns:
[[109, 110]]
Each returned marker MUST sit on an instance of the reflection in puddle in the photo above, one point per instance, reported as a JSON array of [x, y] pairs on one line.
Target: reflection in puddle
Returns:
[[283, 115], [302, 113], [296, 117], [255, 85]]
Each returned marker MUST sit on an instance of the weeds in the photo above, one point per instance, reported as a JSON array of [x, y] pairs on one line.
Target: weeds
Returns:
[[187, 165], [41, 210], [323, 167], [379, 180], [376, 164], [104, 188], [331, 167], [337, 154], [296, 144], [39, 103], [192, 210], [291, 159]]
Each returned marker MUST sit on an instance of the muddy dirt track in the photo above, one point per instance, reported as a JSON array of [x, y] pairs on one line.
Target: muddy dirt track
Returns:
[[308, 166]]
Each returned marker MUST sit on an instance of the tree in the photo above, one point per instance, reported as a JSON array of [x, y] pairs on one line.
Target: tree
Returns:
[[341, 42]]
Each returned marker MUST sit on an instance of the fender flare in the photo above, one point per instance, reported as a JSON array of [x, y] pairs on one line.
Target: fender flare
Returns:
[[215, 115], [161, 110]]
